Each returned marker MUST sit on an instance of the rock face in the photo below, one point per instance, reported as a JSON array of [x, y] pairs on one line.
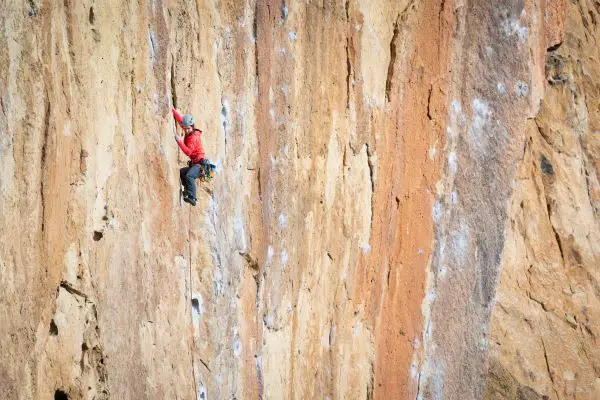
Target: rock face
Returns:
[[405, 206], [546, 323]]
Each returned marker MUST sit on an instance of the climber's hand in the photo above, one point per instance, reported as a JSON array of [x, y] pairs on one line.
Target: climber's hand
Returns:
[[177, 138]]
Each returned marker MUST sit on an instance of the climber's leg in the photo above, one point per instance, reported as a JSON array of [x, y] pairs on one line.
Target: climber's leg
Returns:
[[182, 173], [189, 181]]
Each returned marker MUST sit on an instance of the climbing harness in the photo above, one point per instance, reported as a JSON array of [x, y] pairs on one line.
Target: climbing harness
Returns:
[[207, 170]]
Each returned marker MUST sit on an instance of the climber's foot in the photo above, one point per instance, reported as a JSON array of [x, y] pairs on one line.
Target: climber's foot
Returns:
[[189, 199]]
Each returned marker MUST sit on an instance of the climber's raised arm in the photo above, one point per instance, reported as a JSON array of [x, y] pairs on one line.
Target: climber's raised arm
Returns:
[[177, 116]]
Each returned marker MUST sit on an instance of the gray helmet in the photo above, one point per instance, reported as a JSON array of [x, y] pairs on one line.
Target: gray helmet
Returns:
[[187, 120]]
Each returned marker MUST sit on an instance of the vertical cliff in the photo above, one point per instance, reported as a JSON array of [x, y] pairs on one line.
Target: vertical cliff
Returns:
[[545, 326], [386, 171]]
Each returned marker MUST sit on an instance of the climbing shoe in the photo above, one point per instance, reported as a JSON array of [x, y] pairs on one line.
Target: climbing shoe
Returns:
[[190, 200]]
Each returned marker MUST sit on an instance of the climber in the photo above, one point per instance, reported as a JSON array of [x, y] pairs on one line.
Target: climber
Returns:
[[191, 145]]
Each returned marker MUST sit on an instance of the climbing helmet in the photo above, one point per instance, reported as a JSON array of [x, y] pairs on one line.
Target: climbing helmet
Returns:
[[187, 120]]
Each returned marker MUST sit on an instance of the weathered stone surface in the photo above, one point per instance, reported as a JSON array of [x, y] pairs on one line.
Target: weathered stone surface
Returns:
[[363, 210], [546, 321]]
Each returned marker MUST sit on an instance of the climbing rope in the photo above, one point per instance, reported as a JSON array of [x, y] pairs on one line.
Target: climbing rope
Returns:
[[190, 304]]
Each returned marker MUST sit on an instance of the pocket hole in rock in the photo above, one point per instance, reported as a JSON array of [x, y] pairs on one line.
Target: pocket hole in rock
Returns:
[[53, 328], [196, 306]]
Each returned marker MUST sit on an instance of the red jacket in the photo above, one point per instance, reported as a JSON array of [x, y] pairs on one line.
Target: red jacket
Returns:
[[191, 145]]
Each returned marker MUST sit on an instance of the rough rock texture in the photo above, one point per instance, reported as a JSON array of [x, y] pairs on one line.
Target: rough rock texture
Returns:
[[546, 324], [379, 164]]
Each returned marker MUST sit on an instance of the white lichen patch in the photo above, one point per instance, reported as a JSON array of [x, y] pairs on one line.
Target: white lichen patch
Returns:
[[521, 89], [513, 28], [432, 152], [452, 163], [436, 213], [269, 258], [283, 220], [237, 346], [365, 248], [500, 87]]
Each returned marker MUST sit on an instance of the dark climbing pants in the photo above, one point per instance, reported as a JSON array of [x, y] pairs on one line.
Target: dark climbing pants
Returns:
[[188, 179]]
